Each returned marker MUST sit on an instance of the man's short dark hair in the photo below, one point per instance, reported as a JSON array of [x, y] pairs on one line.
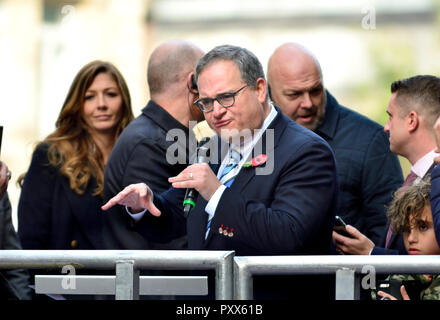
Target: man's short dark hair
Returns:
[[419, 93], [248, 64]]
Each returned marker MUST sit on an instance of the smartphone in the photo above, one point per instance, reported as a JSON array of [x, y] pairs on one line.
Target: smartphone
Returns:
[[339, 227], [392, 287]]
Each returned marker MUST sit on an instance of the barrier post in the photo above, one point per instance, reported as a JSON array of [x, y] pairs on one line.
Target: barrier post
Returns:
[[127, 280], [243, 284], [347, 284], [224, 278]]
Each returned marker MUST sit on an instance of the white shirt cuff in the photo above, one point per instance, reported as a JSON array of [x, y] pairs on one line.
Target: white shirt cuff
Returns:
[[213, 202], [136, 216]]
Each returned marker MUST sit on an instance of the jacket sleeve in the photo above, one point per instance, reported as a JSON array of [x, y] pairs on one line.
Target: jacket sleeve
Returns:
[[435, 200], [35, 204], [381, 176], [378, 251], [18, 278], [170, 224]]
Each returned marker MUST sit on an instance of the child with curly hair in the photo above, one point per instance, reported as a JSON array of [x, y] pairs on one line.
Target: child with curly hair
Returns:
[[410, 213]]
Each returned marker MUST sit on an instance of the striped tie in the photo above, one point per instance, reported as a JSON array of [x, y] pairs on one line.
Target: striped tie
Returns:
[[226, 170], [234, 160], [226, 178]]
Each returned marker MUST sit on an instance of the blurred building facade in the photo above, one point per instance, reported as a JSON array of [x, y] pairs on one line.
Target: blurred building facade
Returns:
[[362, 47]]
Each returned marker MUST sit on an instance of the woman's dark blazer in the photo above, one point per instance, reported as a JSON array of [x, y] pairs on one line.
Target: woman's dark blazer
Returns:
[[53, 216]]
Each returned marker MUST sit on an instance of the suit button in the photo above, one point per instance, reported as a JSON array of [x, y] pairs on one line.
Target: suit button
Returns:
[[132, 224], [74, 244]]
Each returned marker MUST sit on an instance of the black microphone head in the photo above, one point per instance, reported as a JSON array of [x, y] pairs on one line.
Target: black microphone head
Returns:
[[203, 151], [204, 141]]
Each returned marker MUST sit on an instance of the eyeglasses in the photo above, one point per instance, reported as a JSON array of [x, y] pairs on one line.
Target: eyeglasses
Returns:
[[226, 99]]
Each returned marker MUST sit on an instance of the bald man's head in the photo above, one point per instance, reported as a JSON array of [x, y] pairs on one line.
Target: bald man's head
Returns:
[[296, 85], [170, 63]]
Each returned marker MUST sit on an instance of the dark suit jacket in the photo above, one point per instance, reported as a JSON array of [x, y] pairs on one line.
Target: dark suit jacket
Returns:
[[139, 155], [368, 171], [53, 216], [289, 211], [435, 200], [17, 279]]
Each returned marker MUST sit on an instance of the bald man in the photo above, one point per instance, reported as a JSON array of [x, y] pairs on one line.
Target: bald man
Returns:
[[368, 171], [139, 154]]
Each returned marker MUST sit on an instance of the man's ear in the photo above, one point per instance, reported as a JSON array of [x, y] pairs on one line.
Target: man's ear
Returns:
[[413, 121], [191, 83], [261, 88]]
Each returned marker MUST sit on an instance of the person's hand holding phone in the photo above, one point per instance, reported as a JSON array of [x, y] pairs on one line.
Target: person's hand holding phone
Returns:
[[387, 296], [353, 242]]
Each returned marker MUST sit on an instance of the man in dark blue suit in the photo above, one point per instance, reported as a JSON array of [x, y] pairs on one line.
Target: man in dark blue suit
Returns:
[[368, 171], [279, 198]]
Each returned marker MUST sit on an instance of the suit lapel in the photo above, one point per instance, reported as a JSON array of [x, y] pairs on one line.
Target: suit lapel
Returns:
[[221, 149], [265, 145], [246, 174]]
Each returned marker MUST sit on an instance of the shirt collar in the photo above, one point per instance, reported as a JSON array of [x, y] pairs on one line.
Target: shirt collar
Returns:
[[421, 167], [248, 144]]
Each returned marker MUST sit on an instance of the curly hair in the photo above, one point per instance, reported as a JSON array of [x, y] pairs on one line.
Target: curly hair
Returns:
[[71, 147], [407, 205]]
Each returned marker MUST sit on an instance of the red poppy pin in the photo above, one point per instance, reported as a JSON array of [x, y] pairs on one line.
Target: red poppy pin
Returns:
[[257, 161]]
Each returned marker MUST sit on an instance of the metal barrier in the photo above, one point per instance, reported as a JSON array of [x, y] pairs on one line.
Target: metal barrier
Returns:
[[346, 268], [127, 264], [233, 274]]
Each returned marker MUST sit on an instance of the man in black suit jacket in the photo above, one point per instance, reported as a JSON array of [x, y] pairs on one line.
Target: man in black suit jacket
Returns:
[[279, 198], [139, 154], [368, 171], [413, 109]]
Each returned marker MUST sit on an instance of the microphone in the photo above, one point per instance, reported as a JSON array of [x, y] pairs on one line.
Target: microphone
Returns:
[[189, 202]]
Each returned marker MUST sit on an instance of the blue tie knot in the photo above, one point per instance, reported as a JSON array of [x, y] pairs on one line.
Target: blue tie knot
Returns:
[[234, 160]]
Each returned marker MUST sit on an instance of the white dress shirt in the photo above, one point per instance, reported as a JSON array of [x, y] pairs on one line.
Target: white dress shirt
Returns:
[[421, 167]]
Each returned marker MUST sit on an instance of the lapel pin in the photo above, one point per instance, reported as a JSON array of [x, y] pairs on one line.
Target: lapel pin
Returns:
[[220, 230], [257, 161]]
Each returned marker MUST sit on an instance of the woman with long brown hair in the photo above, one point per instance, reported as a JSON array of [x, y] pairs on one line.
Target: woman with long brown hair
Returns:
[[59, 205]]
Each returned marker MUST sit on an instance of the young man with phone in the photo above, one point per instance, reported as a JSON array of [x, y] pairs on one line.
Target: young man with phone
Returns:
[[413, 108]]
